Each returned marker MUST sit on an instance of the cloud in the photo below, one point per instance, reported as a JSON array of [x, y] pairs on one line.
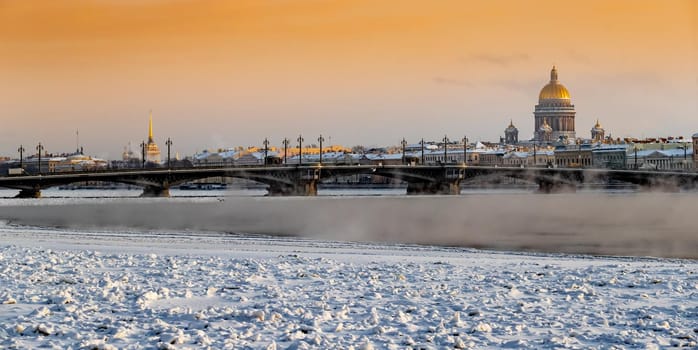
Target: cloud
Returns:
[[641, 79], [577, 57], [526, 86], [500, 60], [452, 81]]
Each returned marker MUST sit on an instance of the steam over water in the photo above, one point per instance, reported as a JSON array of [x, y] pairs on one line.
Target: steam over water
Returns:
[[651, 224]]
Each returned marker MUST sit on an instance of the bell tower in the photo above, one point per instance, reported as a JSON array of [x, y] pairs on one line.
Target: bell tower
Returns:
[[511, 134]]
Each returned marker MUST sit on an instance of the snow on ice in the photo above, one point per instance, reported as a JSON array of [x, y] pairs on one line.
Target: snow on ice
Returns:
[[117, 290]]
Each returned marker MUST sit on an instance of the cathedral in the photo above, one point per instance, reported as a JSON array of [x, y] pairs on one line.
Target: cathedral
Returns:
[[554, 113], [554, 118], [152, 152]]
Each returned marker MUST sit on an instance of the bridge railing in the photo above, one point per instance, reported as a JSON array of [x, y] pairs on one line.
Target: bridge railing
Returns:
[[272, 166]]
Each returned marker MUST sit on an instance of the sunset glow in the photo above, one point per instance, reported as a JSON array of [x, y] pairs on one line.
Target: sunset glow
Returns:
[[225, 73]]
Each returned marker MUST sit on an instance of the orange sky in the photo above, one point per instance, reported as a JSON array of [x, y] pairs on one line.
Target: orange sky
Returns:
[[225, 73]]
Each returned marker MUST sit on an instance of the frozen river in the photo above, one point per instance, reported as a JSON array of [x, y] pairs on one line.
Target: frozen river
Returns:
[[236, 270], [170, 289]]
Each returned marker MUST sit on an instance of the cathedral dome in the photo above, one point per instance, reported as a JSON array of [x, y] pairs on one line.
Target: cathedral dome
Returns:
[[554, 90]]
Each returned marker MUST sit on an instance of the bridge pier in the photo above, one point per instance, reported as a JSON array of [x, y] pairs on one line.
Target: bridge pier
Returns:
[[555, 187], [156, 191], [437, 187], [308, 188], [29, 193], [659, 187]]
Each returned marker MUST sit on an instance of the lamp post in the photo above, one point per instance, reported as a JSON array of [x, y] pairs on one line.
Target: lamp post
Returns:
[[535, 160], [285, 142], [143, 153], [465, 150], [422, 144], [404, 144], [39, 148], [320, 139], [266, 150], [21, 156], [169, 144], [300, 149], [445, 139], [635, 149]]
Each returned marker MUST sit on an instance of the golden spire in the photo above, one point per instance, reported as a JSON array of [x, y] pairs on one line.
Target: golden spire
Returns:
[[150, 128], [553, 74], [598, 125]]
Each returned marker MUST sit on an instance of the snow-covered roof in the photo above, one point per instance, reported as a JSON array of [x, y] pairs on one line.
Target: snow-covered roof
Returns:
[[493, 151], [385, 156], [227, 154], [667, 153], [612, 146], [517, 155], [260, 155]]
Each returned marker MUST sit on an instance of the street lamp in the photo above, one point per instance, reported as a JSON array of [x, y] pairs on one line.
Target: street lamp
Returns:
[[300, 149], [404, 144], [635, 149], [169, 144], [445, 139], [320, 139], [39, 148], [21, 156], [285, 142], [266, 150], [535, 160], [422, 143], [465, 150], [143, 153]]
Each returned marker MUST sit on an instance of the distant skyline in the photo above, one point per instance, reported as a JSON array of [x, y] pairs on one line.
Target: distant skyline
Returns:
[[228, 73]]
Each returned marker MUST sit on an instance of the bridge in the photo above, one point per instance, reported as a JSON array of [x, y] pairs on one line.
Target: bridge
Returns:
[[287, 180]]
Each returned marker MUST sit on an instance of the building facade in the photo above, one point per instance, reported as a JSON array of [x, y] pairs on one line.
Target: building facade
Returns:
[[573, 156], [695, 151], [612, 157], [554, 109]]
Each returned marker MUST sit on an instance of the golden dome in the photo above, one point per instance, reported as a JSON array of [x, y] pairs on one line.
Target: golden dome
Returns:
[[554, 90]]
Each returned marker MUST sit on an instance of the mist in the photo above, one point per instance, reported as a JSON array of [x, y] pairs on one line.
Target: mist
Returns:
[[642, 224]]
